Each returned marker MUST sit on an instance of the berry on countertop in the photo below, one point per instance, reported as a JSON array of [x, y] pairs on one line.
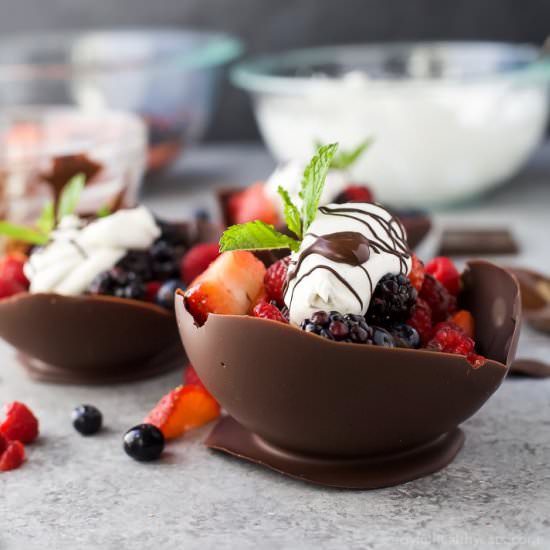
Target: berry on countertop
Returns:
[[405, 336], [441, 302], [3, 443], [197, 260], [87, 419], [167, 292], [254, 204], [229, 286], [354, 193], [12, 457], [20, 423], [417, 273], [11, 269], [119, 283], [182, 409], [266, 310], [465, 320], [274, 280], [421, 320], [392, 301], [450, 338], [144, 442], [444, 270]]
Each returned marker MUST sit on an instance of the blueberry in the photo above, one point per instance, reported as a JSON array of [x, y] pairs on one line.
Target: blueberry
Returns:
[[87, 419], [405, 336], [144, 442], [381, 337], [166, 293]]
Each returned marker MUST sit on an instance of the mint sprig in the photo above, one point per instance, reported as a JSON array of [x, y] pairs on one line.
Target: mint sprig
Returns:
[[46, 221], [22, 233], [344, 159], [255, 235]]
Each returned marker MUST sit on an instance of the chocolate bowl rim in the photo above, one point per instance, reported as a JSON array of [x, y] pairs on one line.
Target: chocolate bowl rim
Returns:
[[367, 347]]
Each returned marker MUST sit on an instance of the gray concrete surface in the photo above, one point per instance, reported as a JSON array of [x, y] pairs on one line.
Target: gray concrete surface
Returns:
[[84, 493]]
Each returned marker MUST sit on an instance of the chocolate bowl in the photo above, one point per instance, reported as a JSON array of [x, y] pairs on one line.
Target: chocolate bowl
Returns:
[[349, 415], [95, 339]]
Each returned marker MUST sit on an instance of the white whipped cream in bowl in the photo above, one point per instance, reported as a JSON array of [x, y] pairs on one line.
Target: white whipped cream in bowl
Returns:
[[78, 252]]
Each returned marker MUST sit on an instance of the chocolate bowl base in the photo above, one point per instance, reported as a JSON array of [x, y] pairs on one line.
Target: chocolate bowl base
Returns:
[[161, 363], [346, 473]]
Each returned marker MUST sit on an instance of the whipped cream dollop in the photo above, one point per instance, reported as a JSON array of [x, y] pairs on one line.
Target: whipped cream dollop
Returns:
[[289, 177], [346, 251], [77, 252]]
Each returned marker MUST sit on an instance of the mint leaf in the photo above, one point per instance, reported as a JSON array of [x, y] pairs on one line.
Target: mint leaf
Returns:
[[70, 196], [313, 183], [292, 214], [344, 159], [255, 235], [46, 221], [22, 233], [103, 212]]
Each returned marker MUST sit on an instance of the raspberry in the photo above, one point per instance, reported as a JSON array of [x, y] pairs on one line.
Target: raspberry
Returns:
[[450, 338], [265, 310], [197, 260], [11, 269], [444, 271], [438, 298], [151, 289], [416, 276], [274, 280], [3, 443], [12, 457], [20, 423], [392, 301], [421, 320], [354, 193]]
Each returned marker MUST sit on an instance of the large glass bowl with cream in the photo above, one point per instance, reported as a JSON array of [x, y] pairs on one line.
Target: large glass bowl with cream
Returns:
[[449, 120]]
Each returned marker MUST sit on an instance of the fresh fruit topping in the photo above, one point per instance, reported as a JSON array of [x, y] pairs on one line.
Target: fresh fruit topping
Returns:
[[144, 442], [87, 419], [392, 301], [274, 280], [11, 269], [183, 409], [346, 328], [12, 457], [151, 289], [254, 204], [197, 260], [445, 271], [417, 273], [20, 423], [405, 336], [9, 288], [119, 283], [450, 338], [228, 286], [165, 260], [190, 376], [421, 320], [167, 293], [266, 310], [354, 193], [438, 298], [465, 320]]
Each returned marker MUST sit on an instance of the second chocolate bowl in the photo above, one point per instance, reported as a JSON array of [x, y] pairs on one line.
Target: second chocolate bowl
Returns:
[[92, 339], [347, 415]]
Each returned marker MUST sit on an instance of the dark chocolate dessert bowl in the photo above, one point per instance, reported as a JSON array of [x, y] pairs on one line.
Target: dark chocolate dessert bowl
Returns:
[[121, 326], [347, 399]]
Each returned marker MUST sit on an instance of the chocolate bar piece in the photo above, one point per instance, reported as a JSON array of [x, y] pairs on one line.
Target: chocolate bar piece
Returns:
[[468, 242]]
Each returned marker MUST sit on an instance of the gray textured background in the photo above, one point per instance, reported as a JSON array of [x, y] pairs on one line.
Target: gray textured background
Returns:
[[270, 25]]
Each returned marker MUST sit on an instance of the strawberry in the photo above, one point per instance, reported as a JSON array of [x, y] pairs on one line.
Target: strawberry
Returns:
[[274, 280], [416, 276], [11, 269], [12, 457], [20, 423], [254, 204], [444, 270], [183, 409], [9, 288], [266, 310], [197, 259], [229, 286]]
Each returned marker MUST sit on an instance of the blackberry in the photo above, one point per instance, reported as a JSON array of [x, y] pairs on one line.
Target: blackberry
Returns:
[[405, 336], [165, 260], [138, 262], [172, 233], [392, 301], [119, 283], [346, 328]]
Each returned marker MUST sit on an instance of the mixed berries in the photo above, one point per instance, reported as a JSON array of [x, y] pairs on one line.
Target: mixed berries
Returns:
[[19, 428]]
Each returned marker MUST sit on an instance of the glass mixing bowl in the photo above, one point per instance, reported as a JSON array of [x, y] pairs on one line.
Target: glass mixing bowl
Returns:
[[449, 120], [169, 76]]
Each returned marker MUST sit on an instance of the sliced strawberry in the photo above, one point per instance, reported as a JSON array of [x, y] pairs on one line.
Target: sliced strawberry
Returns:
[[183, 409], [254, 204], [197, 259], [229, 286], [274, 280], [12, 457], [20, 423], [266, 310]]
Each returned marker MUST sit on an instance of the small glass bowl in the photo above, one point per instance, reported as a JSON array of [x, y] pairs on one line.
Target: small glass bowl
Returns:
[[41, 148]]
